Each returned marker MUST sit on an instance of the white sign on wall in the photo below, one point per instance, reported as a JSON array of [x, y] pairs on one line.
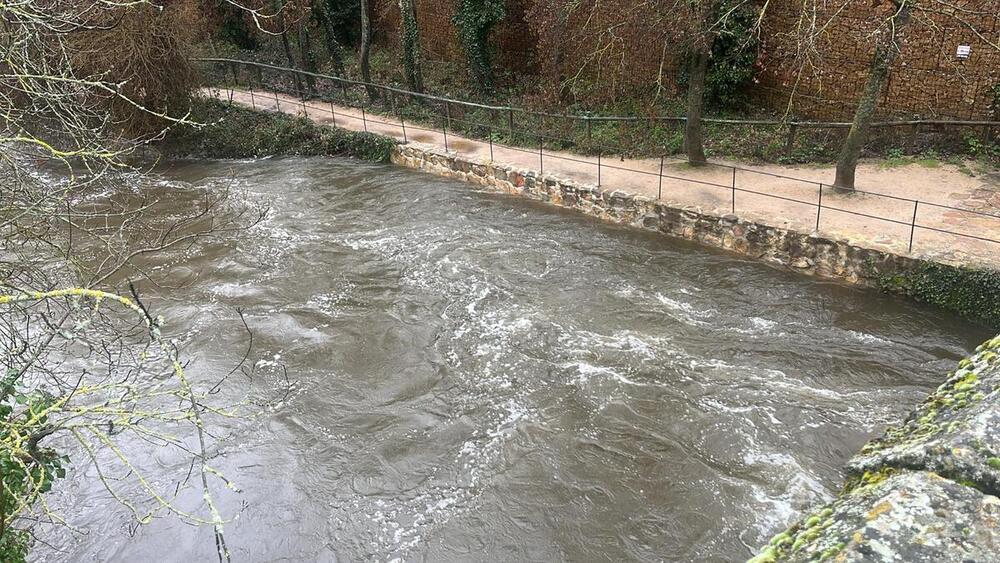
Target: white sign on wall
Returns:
[[963, 51]]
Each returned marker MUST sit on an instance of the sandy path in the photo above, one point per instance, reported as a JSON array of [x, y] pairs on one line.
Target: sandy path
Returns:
[[885, 222]]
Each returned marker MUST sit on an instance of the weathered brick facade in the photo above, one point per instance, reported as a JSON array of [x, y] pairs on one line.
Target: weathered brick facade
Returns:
[[614, 49]]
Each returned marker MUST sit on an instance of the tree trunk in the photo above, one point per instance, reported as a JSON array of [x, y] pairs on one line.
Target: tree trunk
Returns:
[[366, 46], [330, 37], [411, 45], [286, 46], [878, 74], [693, 143], [307, 54]]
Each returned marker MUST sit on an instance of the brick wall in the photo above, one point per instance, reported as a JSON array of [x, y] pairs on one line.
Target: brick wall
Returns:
[[927, 78], [614, 50]]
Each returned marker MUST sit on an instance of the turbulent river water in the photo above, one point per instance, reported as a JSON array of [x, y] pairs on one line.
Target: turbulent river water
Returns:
[[477, 377]]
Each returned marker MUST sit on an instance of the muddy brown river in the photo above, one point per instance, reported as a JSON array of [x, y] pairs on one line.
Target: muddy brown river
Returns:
[[476, 377]]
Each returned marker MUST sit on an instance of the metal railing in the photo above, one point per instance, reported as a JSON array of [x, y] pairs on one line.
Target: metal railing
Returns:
[[341, 94]]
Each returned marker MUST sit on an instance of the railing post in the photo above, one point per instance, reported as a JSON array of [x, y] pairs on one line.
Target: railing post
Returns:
[[394, 108], [819, 206], [364, 119], [541, 161], [734, 190], [253, 102], [790, 141], [491, 142], [913, 225], [659, 188], [444, 128], [447, 113], [333, 113], [598, 169], [510, 123], [277, 102]]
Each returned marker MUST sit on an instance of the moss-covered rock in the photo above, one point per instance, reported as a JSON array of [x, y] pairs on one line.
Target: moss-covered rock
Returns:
[[906, 516], [955, 432], [927, 490], [238, 132]]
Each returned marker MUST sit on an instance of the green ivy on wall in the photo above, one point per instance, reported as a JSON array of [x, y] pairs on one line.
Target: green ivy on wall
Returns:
[[974, 294], [474, 19], [732, 65]]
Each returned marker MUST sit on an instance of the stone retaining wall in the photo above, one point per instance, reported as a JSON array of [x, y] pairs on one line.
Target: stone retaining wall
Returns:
[[806, 253]]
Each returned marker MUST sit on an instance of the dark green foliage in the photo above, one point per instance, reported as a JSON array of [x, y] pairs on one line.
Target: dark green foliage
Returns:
[[473, 20], [234, 28], [28, 470], [343, 18], [13, 546], [734, 54], [234, 132], [974, 294]]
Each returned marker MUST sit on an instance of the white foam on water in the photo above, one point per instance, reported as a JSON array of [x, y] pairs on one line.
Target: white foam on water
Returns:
[[799, 489], [402, 525], [685, 312], [585, 371], [869, 338]]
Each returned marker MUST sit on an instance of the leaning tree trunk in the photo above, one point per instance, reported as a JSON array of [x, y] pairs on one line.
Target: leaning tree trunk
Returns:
[[366, 46], [411, 45], [878, 74], [693, 143]]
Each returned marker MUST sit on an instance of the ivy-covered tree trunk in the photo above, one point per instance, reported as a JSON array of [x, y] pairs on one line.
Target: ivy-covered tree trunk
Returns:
[[307, 54], [411, 45], [886, 50], [333, 48], [366, 46], [474, 19], [287, 48], [693, 142]]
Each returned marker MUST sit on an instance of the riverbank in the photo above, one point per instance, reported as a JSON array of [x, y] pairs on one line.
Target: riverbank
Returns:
[[857, 251], [927, 490], [238, 132]]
